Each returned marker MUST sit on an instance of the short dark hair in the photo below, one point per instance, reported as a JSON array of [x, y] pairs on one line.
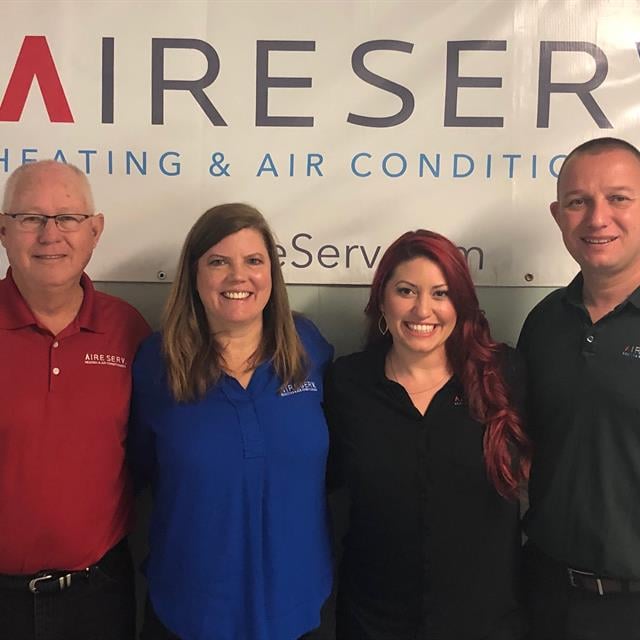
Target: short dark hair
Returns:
[[599, 145]]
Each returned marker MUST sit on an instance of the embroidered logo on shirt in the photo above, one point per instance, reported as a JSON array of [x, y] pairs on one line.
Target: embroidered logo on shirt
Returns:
[[458, 401], [307, 385], [108, 359], [631, 351]]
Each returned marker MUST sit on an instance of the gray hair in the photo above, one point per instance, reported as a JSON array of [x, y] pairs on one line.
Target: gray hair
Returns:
[[24, 171]]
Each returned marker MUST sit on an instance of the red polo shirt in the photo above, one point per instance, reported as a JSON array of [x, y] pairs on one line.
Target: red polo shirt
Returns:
[[65, 496]]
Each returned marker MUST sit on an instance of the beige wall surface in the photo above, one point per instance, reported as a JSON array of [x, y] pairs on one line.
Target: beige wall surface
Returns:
[[338, 310]]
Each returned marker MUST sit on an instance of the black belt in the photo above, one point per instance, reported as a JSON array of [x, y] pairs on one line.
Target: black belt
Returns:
[[54, 581], [46, 581], [601, 584]]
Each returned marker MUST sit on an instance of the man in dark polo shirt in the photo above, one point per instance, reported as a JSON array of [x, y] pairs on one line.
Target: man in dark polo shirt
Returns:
[[582, 346], [65, 380]]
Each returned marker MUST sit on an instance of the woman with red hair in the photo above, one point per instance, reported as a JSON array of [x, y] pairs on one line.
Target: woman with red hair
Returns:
[[427, 436]]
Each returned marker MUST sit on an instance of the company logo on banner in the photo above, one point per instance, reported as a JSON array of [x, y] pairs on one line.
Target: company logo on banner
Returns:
[[345, 123]]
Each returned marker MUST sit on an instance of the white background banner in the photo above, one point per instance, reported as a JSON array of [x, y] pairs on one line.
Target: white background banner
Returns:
[[345, 123]]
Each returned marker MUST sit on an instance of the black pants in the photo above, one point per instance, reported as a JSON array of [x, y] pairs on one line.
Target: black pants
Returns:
[[153, 628], [100, 607], [559, 611]]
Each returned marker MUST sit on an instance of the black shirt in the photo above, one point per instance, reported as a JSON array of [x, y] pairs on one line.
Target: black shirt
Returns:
[[432, 549], [584, 419]]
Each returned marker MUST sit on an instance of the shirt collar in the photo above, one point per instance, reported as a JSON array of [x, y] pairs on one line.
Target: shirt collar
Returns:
[[573, 294], [14, 311], [16, 314], [89, 316], [378, 354], [634, 298]]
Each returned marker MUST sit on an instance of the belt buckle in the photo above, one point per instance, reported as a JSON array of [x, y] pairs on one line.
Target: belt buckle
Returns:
[[33, 584], [63, 581], [584, 574]]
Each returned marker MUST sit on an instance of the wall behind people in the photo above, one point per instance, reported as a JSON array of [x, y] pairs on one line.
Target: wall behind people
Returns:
[[338, 310], [346, 123]]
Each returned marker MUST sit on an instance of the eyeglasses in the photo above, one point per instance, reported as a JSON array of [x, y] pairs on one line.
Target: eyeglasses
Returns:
[[38, 221]]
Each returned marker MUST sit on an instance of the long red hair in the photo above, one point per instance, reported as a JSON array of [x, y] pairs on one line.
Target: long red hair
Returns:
[[473, 355]]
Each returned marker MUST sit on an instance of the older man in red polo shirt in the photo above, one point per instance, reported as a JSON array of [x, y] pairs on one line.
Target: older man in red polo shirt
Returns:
[[65, 379]]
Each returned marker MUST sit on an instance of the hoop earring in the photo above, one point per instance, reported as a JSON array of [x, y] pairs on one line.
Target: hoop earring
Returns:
[[382, 319]]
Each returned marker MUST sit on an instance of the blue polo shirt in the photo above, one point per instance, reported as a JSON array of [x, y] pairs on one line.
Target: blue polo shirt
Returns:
[[239, 537]]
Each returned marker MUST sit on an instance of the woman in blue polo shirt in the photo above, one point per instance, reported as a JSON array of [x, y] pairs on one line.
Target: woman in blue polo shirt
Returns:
[[228, 428]]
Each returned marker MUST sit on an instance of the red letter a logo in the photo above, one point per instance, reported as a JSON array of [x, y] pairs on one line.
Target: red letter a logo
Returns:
[[35, 60]]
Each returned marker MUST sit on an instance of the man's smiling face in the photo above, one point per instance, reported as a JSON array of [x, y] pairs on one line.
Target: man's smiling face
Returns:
[[47, 258], [598, 211]]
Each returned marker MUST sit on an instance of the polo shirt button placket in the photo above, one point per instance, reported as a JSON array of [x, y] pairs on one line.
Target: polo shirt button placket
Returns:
[[589, 344], [55, 370]]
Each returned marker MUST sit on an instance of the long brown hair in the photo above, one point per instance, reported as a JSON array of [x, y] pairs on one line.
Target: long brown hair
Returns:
[[473, 355], [191, 352]]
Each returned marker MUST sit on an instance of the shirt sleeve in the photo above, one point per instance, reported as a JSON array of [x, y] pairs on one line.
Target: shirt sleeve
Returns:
[[141, 440], [335, 466], [523, 337], [515, 374], [319, 351], [523, 351]]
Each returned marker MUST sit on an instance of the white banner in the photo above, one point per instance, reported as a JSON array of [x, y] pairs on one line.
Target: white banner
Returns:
[[346, 123]]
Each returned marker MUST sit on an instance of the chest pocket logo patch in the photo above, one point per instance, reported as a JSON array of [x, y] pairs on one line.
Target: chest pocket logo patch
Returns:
[[290, 390], [108, 359], [631, 351]]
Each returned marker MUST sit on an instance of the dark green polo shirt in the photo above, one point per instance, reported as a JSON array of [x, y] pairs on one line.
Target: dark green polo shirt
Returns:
[[584, 418]]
